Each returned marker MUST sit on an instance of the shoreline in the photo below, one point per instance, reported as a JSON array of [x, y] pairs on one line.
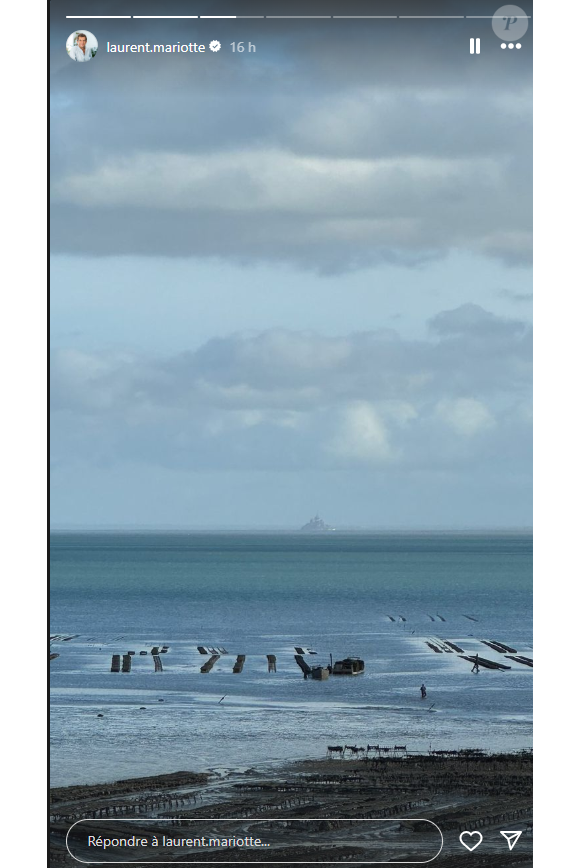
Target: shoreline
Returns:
[[271, 766], [469, 791]]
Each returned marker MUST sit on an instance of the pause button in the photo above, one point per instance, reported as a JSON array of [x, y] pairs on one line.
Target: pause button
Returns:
[[475, 46]]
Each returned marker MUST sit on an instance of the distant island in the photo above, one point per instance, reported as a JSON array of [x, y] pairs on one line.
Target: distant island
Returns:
[[316, 525]]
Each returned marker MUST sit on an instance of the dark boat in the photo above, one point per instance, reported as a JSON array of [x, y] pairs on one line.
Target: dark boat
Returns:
[[349, 666]]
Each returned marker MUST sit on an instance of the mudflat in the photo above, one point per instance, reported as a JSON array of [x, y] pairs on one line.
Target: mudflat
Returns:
[[482, 794]]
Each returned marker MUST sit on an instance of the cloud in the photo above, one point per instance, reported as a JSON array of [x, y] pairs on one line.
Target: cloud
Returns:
[[275, 204], [466, 416], [300, 399], [314, 154], [518, 297], [266, 181], [361, 436], [471, 319]]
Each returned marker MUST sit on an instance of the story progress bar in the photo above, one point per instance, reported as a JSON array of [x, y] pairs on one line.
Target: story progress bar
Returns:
[[278, 17]]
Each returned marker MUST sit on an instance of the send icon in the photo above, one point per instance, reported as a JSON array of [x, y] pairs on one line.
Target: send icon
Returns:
[[512, 838]]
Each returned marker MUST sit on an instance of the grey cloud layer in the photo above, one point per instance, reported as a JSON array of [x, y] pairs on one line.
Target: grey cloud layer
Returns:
[[297, 400], [315, 153]]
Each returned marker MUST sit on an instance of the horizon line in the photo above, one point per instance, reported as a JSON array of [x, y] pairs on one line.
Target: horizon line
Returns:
[[153, 528]]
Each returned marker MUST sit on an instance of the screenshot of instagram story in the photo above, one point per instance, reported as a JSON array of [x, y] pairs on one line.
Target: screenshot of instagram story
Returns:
[[291, 493]]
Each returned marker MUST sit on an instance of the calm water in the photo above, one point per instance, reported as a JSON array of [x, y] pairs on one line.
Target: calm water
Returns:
[[263, 594]]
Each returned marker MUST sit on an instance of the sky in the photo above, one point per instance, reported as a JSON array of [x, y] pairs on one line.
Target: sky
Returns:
[[294, 281]]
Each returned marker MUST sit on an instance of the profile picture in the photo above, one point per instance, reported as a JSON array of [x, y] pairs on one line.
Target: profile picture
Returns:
[[82, 45]]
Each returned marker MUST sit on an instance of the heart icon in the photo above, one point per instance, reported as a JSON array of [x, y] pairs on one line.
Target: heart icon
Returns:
[[476, 839]]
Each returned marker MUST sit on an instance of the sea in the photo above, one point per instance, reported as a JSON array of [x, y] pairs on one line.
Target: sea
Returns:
[[378, 596]]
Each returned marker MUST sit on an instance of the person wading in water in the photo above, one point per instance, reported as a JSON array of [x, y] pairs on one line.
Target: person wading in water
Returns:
[[423, 691], [475, 667]]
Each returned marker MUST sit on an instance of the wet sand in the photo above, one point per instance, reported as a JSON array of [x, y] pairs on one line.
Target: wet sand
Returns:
[[458, 793]]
